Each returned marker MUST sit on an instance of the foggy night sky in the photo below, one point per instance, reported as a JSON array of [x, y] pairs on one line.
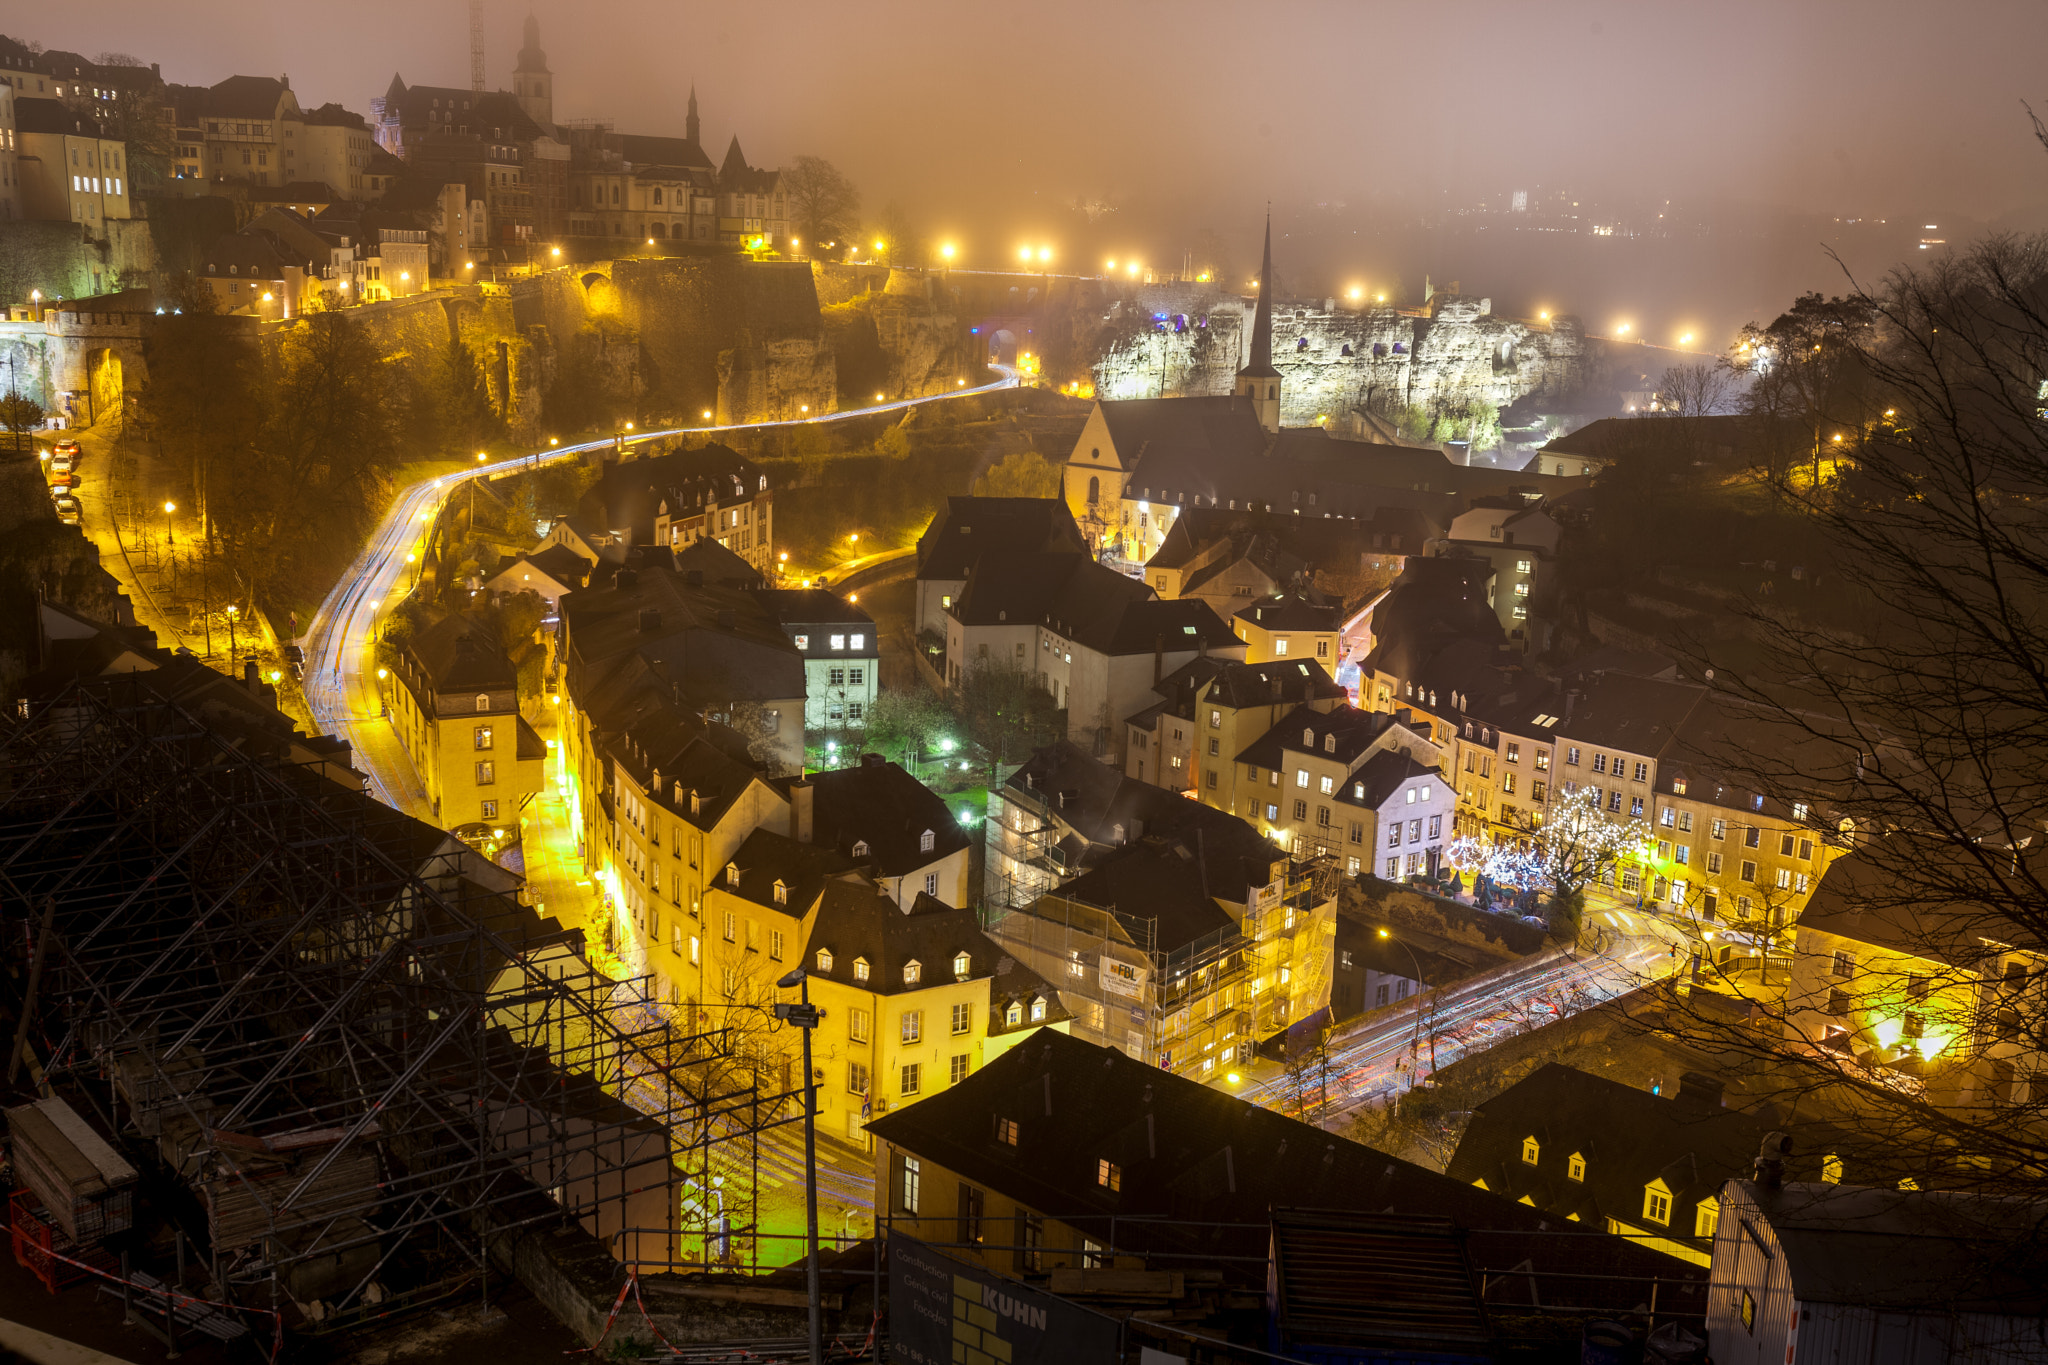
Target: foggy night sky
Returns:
[[988, 121]]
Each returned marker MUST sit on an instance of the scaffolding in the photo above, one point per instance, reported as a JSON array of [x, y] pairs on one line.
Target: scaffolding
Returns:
[[337, 1027]]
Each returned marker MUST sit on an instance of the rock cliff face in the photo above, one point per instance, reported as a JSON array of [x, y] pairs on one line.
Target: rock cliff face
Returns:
[[1336, 360]]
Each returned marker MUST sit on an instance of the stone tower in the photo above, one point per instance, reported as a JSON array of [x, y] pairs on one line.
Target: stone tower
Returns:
[[532, 83], [690, 124], [1258, 381]]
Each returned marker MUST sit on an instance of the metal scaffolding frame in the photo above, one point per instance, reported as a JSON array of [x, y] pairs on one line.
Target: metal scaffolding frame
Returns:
[[326, 1023]]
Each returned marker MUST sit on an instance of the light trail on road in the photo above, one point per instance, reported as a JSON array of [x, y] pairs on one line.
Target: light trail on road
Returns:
[[339, 681]]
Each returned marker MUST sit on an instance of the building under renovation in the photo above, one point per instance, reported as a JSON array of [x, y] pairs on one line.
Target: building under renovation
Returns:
[[337, 1029]]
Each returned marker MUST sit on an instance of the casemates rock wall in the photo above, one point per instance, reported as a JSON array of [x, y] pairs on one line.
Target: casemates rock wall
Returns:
[[1179, 339]]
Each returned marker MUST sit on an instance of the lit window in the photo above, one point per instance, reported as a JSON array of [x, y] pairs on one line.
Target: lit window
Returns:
[[1706, 1218], [1657, 1205], [1109, 1175], [1006, 1132], [1576, 1167], [1531, 1149], [926, 842], [1037, 1009], [913, 971], [962, 964], [860, 969], [963, 1019], [913, 1026], [825, 960]]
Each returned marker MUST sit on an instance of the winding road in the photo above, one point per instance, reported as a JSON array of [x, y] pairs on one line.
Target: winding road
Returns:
[[340, 681]]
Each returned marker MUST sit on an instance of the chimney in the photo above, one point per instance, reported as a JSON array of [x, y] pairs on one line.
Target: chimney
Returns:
[[1697, 1090], [625, 578], [1770, 1160], [249, 677], [801, 792], [872, 761]]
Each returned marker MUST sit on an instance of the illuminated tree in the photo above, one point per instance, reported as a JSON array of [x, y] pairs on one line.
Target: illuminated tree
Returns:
[[20, 415], [823, 203]]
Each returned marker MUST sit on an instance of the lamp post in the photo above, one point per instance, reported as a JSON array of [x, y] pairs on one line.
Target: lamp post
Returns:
[[171, 543], [804, 1015], [1415, 1047], [233, 612]]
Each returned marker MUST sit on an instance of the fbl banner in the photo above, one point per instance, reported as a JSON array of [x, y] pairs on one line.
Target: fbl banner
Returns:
[[948, 1312]]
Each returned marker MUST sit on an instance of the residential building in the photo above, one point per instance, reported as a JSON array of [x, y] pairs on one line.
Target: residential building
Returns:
[[842, 656], [753, 210], [453, 700], [1225, 557], [251, 129], [11, 206], [1063, 1156], [1214, 709], [968, 528], [1289, 626], [1096, 641], [1938, 994], [70, 170], [1359, 786], [1590, 1150], [706, 650], [550, 574], [335, 149], [899, 832], [680, 497], [1517, 537], [1839, 1271]]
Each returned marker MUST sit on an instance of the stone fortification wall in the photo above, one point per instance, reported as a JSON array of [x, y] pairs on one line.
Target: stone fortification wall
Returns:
[[837, 283], [1338, 359]]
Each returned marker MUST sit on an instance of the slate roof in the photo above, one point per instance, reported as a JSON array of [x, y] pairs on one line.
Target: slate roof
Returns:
[[643, 150], [1859, 898], [1154, 879], [32, 115], [711, 644], [1636, 715], [1628, 1138], [1290, 611], [1381, 776], [967, 527], [811, 607], [558, 562], [460, 653], [1099, 798], [1204, 1167], [1306, 730], [630, 493], [1086, 602], [693, 758], [855, 920], [718, 566], [877, 803], [254, 97], [766, 857]]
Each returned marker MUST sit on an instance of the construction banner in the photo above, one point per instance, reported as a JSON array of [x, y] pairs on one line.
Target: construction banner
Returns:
[[948, 1312]]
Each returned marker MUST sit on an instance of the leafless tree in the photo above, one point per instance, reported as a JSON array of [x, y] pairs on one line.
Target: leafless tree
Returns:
[[823, 203]]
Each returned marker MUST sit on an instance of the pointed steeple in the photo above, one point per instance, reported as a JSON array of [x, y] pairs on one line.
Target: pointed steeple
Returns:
[[690, 125], [1258, 380], [735, 161]]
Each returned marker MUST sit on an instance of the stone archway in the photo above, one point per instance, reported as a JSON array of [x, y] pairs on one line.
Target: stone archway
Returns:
[[106, 385]]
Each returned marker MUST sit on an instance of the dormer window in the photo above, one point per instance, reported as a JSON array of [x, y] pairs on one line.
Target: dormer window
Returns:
[[1116, 832], [860, 848], [926, 842], [860, 969], [1531, 1149], [1576, 1167], [825, 960], [1657, 1203], [1014, 1015], [1037, 1009], [483, 701], [781, 892], [1329, 744], [732, 874], [1308, 739], [913, 972], [962, 965]]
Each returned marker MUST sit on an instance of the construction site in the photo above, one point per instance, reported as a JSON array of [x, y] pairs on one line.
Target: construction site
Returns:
[[312, 1062]]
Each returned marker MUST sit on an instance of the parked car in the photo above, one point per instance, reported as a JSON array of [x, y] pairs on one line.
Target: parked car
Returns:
[[62, 483], [61, 461], [67, 509], [71, 448]]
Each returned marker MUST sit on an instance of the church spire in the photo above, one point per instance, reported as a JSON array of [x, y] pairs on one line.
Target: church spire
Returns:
[[690, 124], [1258, 380]]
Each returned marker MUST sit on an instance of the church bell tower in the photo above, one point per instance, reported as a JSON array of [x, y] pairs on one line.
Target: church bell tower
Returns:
[[1258, 381], [533, 85]]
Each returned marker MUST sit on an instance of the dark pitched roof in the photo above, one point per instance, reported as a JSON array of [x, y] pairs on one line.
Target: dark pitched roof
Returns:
[[1639, 715], [716, 565], [968, 527], [1380, 776], [460, 653], [331, 115], [630, 493], [1290, 611], [1237, 685], [855, 920], [52, 116], [877, 803], [1860, 899], [1627, 1138], [558, 562], [643, 150], [811, 606], [1340, 734], [1154, 879], [765, 858], [1088, 603], [711, 645], [245, 97], [1204, 1168], [1093, 799], [694, 759]]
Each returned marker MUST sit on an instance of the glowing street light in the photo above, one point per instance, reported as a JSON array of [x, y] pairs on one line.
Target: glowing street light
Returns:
[[1024, 253], [1543, 315], [707, 414], [1045, 253], [469, 265], [554, 440], [1357, 293], [1685, 340], [557, 251], [1110, 264], [1621, 330], [947, 251], [480, 457]]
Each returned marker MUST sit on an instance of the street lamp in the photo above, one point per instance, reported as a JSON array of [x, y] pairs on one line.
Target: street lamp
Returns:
[[804, 1015], [233, 613], [1415, 1048]]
